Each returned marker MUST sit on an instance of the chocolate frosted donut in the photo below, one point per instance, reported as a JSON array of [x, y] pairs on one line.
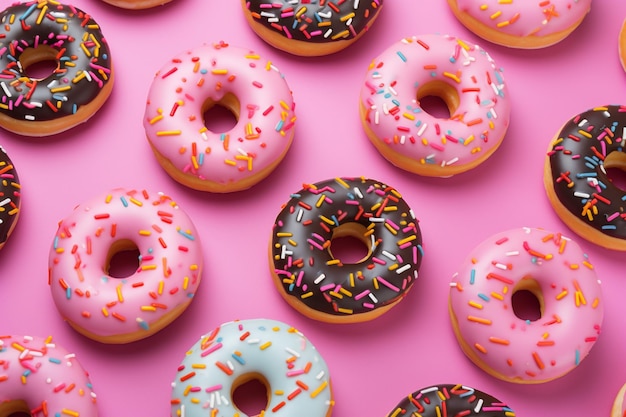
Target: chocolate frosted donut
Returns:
[[39, 31], [451, 400], [10, 197], [311, 28], [576, 180], [320, 285]]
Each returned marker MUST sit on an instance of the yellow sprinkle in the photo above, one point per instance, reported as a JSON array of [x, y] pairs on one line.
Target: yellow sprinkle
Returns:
[[406, 240], [341, 34], [168, 132], [265, 345], [479, 320], [341, 182], [453, 77], [60, 89], [347, 17]]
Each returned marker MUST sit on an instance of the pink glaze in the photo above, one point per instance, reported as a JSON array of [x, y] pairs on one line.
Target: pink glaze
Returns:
[[44, 377], [393, 113], [167, 277], [174, 120], [526, 18], [523, 350]]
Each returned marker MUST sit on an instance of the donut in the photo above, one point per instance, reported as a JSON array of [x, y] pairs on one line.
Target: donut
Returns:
[[10, 197], [521, 24], [450, 400], [306, 28], [463, 76], [136, 4], [292, 370], [238, 79], [619, 406], [526, 305], [41, 378], [578, 186], [48, 31], [112, 309], [321, 286]]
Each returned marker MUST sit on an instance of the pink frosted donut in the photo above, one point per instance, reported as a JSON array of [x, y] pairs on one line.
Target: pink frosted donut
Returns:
[[238, 79], [500, 332], [464, 76], [521, 24], [40, 378], [125, 309]]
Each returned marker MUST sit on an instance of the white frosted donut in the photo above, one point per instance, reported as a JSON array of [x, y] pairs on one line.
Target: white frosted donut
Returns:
[[40, 378], [461, 74], [238, 79], [278, 355], [552, 268], [168, 273]]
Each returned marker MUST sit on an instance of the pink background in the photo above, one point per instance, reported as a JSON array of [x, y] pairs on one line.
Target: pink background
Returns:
[[373, 365]]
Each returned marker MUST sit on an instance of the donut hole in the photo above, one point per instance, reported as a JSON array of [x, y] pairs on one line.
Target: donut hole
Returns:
[[221, 116], [39, 63], [122, 261], [15, 408], [527, 300], [439, 99], [349, 243], [250, 394], [615, 168]]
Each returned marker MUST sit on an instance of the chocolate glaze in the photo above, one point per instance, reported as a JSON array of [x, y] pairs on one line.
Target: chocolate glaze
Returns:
[[304, 230], [63, 28], [450, 400], [10, 196], [318, 21], [577, 161]]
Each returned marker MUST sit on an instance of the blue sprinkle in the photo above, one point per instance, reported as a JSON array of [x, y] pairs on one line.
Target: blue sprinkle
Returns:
[[472, 277], [586, 174], [124, 202], [28, 12], [238, 359], [54, 360], [401, 55], [484, 297], [187, 235]]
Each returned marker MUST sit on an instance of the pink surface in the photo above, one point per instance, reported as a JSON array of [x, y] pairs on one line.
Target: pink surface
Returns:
[[375, 364]]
